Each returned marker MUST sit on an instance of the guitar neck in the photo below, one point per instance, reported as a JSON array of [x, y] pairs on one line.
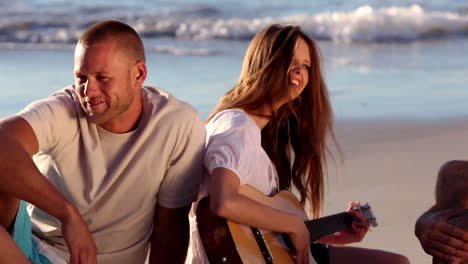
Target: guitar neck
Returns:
[[328, 225]]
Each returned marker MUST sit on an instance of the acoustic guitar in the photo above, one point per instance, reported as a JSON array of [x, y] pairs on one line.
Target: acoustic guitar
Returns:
[[229, 242]]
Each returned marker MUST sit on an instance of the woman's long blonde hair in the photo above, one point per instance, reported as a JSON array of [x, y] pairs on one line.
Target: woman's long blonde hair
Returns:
[[295, 137]]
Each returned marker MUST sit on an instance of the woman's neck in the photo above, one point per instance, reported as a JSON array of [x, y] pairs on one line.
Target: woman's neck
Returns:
[[261, 121], [261, 118]]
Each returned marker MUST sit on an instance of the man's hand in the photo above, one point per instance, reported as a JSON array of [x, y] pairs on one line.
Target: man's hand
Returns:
[[78, 238], [440, 239]]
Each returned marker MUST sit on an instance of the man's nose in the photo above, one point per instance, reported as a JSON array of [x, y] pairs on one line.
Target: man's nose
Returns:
[[89, 88]]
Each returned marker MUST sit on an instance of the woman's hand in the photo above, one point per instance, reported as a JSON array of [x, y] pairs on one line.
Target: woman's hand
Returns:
[[353, 234], [440, 239], [300, 238]]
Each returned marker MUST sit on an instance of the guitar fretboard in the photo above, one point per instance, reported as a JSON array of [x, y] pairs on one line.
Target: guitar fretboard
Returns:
[[328, 225]]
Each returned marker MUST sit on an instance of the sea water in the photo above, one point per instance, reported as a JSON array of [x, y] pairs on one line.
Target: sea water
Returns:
[[383, 59]]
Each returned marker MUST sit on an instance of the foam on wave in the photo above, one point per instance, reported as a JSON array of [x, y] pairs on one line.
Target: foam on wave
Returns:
[[364, 24]]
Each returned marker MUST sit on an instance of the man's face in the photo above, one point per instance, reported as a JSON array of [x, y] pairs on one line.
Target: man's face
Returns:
[[103, 82]]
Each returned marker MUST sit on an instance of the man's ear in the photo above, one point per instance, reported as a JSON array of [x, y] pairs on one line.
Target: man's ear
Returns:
[[140, 72]]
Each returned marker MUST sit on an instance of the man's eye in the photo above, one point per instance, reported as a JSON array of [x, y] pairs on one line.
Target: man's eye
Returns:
[[80, 79], [102, 78]]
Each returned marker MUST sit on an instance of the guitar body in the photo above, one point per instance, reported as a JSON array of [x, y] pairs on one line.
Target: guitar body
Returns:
[[245, 241], [215, 235], [229, 242]]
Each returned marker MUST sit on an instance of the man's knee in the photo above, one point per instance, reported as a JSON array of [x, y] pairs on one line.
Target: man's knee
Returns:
[[400, 259], [394, 258], [453, 167], [452, 183]]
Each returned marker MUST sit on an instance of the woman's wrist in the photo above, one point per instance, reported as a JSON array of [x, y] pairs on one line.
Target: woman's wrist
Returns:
[[295, 225]]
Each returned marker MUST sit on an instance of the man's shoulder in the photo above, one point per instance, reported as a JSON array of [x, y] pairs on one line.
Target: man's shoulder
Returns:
[[63, 99], [161, 102], [66, 97], [67, 93]]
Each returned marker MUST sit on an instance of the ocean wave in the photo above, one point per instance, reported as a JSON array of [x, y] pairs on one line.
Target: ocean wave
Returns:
[[183, 51], [164, 49], [365, 24]]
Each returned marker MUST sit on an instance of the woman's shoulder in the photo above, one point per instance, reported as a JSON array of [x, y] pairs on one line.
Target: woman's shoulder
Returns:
[[231, 119]]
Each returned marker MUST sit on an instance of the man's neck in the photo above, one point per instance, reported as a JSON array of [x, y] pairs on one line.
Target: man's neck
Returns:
[[128, 121]]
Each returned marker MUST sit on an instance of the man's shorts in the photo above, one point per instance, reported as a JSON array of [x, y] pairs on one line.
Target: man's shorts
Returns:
[[34, 249]]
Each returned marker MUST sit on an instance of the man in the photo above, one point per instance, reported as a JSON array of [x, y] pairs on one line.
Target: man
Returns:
[[122, 162], [443, 229]]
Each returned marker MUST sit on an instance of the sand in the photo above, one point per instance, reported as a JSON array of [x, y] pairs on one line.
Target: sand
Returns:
[[393, 165]]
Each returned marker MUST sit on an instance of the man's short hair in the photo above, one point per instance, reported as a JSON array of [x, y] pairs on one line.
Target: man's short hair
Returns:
[[124, 35]]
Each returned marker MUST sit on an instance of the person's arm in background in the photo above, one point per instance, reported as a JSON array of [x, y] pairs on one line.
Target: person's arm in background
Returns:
[[438, 238], [20, 178]]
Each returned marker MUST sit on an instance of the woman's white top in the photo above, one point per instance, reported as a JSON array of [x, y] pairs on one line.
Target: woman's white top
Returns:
[[233, 142]]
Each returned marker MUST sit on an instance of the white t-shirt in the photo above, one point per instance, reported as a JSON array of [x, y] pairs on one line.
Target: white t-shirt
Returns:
[[115, 180], [233, 142]]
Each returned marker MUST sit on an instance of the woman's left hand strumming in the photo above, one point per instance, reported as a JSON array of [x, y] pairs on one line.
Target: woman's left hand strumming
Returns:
[[355, 233]]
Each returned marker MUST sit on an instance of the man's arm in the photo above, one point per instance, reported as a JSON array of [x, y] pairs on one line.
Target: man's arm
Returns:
[[169, 240], [20, 178], [179, 188], [439, 238]]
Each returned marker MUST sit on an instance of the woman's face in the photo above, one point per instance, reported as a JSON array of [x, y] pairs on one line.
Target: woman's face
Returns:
[[299, 69]]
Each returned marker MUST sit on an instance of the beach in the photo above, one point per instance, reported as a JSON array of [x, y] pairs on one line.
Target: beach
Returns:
[[390, 162], [396, 72], [393, 165]]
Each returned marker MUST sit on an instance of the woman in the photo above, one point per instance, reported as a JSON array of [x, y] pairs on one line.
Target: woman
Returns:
[[270, 132]]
